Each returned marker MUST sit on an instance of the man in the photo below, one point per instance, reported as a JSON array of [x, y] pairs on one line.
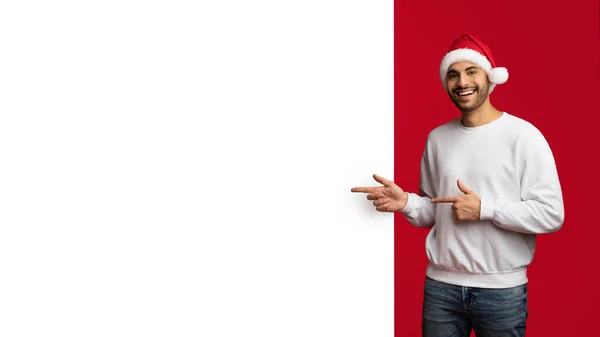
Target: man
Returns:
[[488, 186]]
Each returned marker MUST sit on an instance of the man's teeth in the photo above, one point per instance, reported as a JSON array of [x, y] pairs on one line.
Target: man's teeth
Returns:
[[466, 92]]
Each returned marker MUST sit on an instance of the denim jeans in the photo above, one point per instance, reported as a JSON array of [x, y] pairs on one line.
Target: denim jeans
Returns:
[[453, 311]]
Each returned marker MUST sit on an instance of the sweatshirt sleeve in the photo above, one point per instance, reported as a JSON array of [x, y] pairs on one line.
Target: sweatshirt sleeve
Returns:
[[541, 208], [419, 209]]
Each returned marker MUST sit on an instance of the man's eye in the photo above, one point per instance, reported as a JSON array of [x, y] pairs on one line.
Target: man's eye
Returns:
[[452, 76], [472, 72]]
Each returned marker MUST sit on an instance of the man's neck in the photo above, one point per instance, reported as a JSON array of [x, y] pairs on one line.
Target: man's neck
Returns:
[[484, 115]]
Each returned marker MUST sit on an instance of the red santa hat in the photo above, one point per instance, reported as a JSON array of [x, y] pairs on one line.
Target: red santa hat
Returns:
[[468, 48]]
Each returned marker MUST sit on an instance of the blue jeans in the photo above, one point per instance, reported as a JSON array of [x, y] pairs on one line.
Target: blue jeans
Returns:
[[453, 311]]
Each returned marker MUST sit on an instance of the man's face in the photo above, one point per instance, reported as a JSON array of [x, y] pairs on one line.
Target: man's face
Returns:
[[467, 85]]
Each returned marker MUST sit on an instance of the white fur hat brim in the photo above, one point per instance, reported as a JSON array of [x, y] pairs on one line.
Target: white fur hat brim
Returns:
[[497, 75]]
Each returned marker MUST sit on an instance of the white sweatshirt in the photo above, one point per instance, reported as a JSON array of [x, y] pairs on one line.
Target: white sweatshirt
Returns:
[[509, 164]]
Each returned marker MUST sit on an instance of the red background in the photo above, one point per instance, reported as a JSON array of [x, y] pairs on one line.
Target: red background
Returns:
[[552, 54]]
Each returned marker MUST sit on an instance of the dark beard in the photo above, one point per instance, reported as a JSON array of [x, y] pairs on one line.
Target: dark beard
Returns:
[[482, 94]]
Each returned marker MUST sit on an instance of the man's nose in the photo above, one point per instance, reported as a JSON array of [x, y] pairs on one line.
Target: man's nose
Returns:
[[463, 80]]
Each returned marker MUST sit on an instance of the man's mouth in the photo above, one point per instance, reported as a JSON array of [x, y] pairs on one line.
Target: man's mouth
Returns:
[[465, 94]]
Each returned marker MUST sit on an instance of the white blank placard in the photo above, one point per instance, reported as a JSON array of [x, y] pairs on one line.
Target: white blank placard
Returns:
[[183, 168]]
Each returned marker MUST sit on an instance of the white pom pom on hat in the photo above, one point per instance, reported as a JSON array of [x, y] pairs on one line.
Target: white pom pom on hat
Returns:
[[498, 75], [468, 48]]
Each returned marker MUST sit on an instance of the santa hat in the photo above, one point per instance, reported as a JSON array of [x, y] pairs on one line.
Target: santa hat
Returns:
[[468, 48]]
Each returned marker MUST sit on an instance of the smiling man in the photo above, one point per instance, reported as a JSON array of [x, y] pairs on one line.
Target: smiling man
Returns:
[[488, 186]]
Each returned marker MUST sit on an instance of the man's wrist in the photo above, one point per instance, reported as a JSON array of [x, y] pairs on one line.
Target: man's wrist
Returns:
[[406, 194]]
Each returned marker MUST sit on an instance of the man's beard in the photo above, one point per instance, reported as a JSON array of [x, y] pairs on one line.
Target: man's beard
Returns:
[[482, 94]]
